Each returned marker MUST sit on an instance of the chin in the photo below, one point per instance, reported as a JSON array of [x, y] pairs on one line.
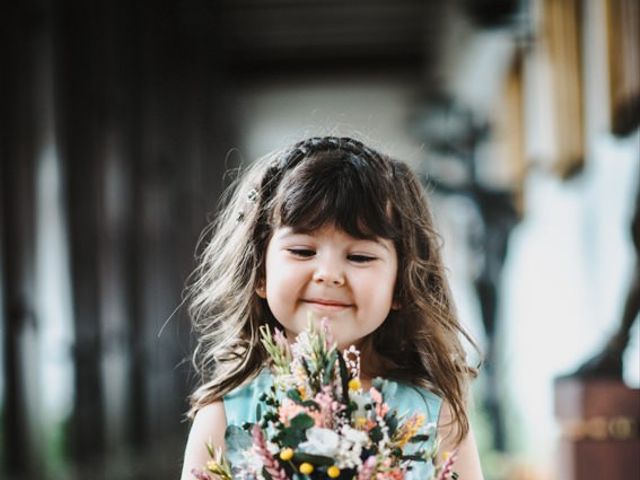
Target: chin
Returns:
[[343, 345]]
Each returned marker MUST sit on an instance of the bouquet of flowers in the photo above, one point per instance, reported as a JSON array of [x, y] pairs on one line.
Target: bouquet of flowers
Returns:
[[317, 422]]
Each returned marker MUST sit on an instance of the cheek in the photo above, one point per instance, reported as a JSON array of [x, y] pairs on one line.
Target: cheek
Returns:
[[387, 287], [282, 282]]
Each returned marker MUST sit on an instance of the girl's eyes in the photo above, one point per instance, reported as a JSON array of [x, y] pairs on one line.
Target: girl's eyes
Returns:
[[301, 252], [361, 258], [307, 253]]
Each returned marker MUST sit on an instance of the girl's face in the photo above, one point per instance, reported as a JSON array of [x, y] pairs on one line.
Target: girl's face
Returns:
[[330, 274]]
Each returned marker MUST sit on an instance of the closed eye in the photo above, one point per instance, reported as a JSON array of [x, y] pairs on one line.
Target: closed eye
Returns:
[[361, 258], [301, 252]]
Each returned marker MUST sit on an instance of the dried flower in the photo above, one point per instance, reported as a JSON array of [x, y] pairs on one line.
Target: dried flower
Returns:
[[368, 469], [333, 471], [286, 454], [318, 420], [271, 465], [408, 430], [321, 441], [306, 468], [447, 469]]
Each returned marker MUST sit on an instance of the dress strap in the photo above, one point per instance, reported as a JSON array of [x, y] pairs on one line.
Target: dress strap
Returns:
[[240, 405]]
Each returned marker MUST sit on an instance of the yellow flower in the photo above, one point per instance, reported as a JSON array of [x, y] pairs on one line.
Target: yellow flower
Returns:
[[333, 471], [360, 422], [354, 384], [303, 392], [306, 468], [408, 430], [286, 454]]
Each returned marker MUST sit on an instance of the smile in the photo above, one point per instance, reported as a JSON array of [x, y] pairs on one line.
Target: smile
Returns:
[[326, 305]]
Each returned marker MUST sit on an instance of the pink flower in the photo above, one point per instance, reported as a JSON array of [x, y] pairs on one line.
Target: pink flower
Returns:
[[281, 340], [447, 468], [368, 469], [290, 409], [324, 325], [200, 475], [271, 465], [329, 407]]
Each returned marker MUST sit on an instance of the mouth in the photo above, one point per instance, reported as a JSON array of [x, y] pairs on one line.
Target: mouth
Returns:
[[327, 305]]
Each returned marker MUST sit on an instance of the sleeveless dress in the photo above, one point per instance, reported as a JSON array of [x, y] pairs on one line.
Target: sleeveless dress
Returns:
[[240, 407]]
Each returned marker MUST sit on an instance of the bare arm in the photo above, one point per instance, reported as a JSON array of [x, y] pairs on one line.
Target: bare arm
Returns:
[[467, 464], [209, 425]]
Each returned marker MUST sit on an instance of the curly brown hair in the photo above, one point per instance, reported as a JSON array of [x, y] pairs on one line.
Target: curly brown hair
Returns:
[[316, 182]]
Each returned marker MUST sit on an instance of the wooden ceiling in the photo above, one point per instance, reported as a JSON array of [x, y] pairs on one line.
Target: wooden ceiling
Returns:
[[282, 34], [311, 31]]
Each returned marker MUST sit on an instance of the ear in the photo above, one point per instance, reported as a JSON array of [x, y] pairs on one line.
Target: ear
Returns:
[[261, 290], [396, 305]]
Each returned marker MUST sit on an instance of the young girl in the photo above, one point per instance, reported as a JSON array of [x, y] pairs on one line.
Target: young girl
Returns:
[[332, 227]]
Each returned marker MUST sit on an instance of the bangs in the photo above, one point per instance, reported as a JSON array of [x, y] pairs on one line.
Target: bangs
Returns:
[[341, 189]]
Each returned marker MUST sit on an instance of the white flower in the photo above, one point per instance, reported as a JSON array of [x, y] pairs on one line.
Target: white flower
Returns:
[[302, 348], [250, 466], [352, 442], [321, 441], [356, 437]]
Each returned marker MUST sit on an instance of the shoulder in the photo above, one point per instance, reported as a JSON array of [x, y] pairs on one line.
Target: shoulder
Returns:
[[209, 425]]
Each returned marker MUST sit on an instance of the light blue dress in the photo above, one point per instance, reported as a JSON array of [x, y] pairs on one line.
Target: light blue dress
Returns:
[[240, 407]]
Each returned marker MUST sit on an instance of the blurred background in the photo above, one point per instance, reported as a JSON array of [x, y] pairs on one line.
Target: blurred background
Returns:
[[119, 119]]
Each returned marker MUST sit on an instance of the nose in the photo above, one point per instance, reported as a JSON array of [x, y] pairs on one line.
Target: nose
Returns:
[[329, 273]]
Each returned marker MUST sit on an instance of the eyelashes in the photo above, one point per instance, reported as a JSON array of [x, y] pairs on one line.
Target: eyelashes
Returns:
[[301, 252], [309, 253], [361, 258]]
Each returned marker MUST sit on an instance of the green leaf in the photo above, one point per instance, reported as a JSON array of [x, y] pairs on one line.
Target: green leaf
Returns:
[[392, 422], [294, 395], [291, 437], [302, 421], [414, 458], [329, 367], [344, 377], [350, 408], [376, 434], [317, 460], [296, 432], [419, 438], [310, 404], [305, 365]]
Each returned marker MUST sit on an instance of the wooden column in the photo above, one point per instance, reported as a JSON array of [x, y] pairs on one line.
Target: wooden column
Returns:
[[562, 21], [22, 131], [184, 135], [623, 48], [80, 118], [143, 127], [509, 160]]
